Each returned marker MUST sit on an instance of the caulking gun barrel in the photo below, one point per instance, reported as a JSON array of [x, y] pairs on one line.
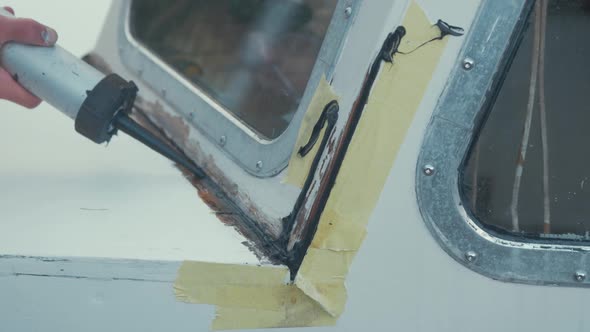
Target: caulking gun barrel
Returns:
[[52, 74], [98, 104], [59, 78], [73, 87]]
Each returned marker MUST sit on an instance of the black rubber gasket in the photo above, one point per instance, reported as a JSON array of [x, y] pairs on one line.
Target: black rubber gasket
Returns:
[[110, 96]]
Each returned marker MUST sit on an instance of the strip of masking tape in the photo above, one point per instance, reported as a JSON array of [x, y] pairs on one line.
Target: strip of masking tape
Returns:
[[249, 297], [395, 97], [299, 167]]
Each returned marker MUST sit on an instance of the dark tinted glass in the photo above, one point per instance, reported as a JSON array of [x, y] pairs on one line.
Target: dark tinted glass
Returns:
[[254, 57], [529, 170]]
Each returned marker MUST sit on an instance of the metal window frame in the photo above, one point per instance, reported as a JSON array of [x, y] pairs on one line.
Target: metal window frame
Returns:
[[258, 156], [455, 124]]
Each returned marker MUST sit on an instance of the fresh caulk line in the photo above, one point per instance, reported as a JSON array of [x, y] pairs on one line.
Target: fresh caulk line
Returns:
[[391, 44], [393, 41], [389, 48], [266, 248], [327, 119], [296, 255], [317, 128]]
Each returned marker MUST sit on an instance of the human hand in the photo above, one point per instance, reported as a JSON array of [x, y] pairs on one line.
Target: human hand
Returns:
[[24, 31]]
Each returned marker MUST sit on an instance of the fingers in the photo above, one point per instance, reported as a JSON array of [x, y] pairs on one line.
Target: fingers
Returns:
[[26, 31], [14, 92]]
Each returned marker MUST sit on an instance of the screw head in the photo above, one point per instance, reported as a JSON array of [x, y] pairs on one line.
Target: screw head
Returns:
[[468, 63], [429, 170], [348, 11], [259, 166], [471, 256], [222, 140], [580, 276]]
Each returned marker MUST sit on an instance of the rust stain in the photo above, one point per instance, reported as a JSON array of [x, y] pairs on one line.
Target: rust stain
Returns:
[[215, 190], [172, 125], [230, 188], [177, 130]]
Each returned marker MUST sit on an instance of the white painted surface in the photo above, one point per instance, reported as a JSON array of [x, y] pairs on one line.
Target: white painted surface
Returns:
[[71, 305], [270, 196], [62, 195], [402, 280]]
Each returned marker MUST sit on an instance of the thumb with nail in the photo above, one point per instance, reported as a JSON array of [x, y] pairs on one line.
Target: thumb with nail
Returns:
[[23, 31]]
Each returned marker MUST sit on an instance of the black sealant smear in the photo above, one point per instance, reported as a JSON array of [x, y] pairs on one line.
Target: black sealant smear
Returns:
[[389, 48], [315, 133], [386, 54], [445, 30], [328, 118], [267, 245], [391, 45]]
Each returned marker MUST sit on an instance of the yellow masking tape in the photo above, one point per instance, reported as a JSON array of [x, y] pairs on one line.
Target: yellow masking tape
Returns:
[[391, 107], [259, 297], [248, 296], [299, 166], [298, 310], [231, 285]]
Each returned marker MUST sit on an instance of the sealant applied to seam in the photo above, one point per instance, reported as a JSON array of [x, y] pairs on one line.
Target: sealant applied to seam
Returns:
[[261, 296], [388, 114], [299, 167]]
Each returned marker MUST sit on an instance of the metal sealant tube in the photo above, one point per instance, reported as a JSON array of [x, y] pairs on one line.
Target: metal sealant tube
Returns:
[[52, 74], [97, 103]]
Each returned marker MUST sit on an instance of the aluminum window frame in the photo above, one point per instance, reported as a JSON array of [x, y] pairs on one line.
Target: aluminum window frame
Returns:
[[258, 156], [455, 124]]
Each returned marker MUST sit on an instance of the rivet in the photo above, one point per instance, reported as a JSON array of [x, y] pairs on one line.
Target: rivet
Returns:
[[429, 170], [580, 276], [223, 141], [348, 11], [259, 166], [468, 63], [471, 256]]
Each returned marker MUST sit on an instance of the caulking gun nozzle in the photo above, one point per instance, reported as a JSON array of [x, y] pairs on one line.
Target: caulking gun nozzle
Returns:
[[125, 124]]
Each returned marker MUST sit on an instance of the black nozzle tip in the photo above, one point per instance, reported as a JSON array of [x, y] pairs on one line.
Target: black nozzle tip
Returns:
[[125, 124]]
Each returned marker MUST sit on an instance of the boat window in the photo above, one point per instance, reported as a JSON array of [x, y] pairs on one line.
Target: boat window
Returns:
[[253, 57], [528, 170]]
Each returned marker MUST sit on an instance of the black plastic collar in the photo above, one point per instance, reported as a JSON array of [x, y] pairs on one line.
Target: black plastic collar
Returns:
[[109, 96]]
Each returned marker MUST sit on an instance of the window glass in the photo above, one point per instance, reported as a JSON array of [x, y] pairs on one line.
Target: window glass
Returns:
[[528, 172], [254, 57]]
